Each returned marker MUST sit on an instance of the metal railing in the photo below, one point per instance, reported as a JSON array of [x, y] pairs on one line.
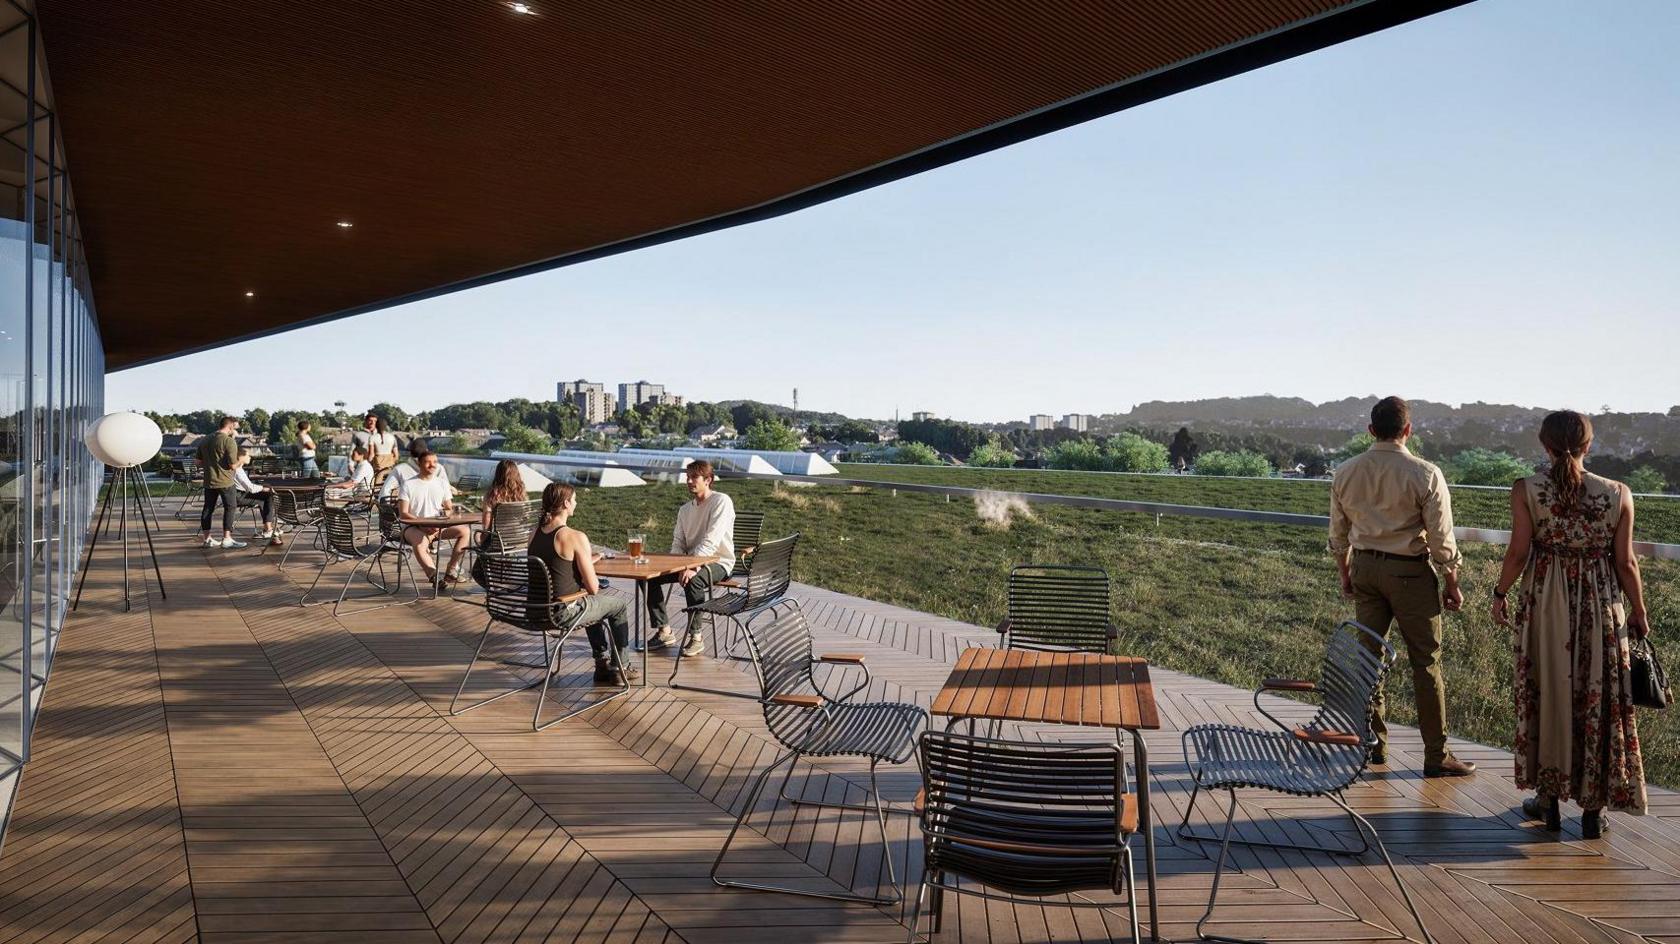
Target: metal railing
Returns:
[[1159, 509], [1323, 480]]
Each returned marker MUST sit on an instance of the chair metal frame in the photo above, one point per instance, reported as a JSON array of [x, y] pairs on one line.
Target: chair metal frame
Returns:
[[343, 547], [299, 513], [1322, 757], [1058, 607], [769, 574], [509, 600], [188, 474], [807, 722], [1019, 817]]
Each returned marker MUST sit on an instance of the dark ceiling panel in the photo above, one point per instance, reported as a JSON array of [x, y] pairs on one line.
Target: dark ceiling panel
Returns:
[[214, 146]]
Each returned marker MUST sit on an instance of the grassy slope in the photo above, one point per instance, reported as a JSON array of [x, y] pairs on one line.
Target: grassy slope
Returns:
[[1227, 601], [1655, 519]]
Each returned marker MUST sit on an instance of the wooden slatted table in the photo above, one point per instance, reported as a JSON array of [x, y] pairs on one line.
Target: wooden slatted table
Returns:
[[658, 565], [1077, 688]]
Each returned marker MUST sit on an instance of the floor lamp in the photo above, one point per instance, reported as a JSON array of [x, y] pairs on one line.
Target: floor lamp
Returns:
[[123, 441]]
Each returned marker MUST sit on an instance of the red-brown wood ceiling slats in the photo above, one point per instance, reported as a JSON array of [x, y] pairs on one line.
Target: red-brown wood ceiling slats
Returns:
[[214, 145]]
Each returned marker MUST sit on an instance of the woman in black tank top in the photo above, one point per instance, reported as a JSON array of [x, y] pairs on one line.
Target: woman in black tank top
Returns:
[[570, 559]]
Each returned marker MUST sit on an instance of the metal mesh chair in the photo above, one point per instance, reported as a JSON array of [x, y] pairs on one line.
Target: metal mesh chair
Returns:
[[807, 722], [749, 530], [511, 527], [519, 592], [188, 473], [266, 465], [765, 583], [298, 513], [1056, 606], [1319, 758], [341, 547], [1027, 819]]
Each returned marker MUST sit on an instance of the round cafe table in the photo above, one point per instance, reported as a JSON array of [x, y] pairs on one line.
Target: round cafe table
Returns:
[[450, 520]]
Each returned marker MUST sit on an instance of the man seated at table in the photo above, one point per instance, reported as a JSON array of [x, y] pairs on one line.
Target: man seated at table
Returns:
[[263, 496], [417, 449], [359, 482], [705, 527], [426, 494]]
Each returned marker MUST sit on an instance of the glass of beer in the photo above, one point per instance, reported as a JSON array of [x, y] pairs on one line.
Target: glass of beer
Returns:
[[636, 539]]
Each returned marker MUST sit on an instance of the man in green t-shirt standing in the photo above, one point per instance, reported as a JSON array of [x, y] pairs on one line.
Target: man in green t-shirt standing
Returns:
[[217, 453]]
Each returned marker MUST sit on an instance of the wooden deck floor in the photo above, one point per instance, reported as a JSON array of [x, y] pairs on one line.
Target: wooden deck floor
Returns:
[[226, 766]]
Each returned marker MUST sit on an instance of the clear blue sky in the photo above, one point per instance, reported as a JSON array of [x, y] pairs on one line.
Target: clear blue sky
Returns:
[[1481, 205]]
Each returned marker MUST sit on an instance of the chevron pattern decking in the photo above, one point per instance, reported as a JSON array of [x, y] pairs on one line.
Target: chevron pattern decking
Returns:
[[225, 766]]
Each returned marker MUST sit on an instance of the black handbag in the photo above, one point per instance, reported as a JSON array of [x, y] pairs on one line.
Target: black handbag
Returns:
[[1650, 682]]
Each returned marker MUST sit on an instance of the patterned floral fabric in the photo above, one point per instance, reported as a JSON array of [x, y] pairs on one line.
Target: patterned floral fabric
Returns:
[[1576, 733]]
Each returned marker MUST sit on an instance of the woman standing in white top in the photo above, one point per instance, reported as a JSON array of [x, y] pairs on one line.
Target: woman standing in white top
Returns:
[[306, 449], [384, 456]]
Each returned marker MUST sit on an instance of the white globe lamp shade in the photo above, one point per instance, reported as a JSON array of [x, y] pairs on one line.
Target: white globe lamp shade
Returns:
[[123, 439]]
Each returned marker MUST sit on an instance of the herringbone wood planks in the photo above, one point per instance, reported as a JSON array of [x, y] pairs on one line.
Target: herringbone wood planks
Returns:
[[228, 766]]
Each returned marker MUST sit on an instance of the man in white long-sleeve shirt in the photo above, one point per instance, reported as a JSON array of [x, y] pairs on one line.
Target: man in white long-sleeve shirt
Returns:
[[705, 526]]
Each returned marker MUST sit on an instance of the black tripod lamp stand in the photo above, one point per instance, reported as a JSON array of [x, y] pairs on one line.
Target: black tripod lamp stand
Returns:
[[123, 441]]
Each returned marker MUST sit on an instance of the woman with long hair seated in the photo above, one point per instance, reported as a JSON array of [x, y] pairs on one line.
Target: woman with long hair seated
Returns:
[[1581, 601], [505, 486], [571, 560]]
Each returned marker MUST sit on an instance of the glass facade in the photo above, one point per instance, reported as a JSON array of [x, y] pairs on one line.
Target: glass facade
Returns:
[[52, 370]]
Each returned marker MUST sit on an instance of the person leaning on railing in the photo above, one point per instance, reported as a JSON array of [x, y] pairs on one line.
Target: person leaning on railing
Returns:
[[1581, 601], [570, 557], [1390, 520]]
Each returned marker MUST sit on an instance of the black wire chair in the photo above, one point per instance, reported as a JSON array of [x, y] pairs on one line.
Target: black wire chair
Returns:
[[511, 526], [748, 531], [1058, 606], [1027, 819], [343, 547], [519, 592], [1319, 758], [187, 474], [298, 513], [807, 722], [765, 583]]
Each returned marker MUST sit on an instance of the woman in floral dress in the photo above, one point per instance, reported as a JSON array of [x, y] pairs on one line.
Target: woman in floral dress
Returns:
[[1581, 599]]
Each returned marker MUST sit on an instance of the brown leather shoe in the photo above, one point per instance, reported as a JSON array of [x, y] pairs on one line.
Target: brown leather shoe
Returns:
[[1451, 767]]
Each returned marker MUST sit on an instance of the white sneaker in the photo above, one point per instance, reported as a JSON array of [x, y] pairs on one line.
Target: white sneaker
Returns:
[[662, 639], [210, 542], [232, 543]]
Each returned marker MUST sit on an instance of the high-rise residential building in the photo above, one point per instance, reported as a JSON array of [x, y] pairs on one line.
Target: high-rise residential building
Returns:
[[591, 399], [921, 416], [631, 395], [1041, 421], [1078, 422]]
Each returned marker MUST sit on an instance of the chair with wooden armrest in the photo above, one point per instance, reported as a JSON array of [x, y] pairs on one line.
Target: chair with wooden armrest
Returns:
[[749, 530], [519, 592], [1024, 821], [769, 573], [1320, 758], [808, 722]]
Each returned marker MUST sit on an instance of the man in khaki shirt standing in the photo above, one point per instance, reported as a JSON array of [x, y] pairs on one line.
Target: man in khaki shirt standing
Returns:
[[1391, 531]]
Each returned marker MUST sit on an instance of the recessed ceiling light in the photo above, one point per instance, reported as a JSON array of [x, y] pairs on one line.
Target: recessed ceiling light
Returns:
[[522, 8], [250, 294], [345, 224]]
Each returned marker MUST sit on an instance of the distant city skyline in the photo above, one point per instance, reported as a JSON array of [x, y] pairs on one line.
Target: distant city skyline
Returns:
[[1437, 210]]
